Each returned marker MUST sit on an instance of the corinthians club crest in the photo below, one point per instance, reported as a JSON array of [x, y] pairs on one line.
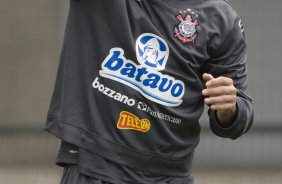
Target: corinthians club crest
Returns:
[[186, 30]]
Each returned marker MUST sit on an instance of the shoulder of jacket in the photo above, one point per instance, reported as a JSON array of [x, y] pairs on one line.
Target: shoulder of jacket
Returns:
[[222, 8]]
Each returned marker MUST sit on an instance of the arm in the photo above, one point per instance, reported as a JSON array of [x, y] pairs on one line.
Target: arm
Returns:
[[231, 110]]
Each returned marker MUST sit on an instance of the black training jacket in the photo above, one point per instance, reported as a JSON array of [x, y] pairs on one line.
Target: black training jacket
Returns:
[[129, 81]]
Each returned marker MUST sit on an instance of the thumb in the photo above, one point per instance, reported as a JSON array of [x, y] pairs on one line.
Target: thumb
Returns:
[[207, 77]]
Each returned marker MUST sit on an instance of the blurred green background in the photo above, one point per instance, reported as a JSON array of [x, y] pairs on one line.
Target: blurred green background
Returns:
[[31, 34]]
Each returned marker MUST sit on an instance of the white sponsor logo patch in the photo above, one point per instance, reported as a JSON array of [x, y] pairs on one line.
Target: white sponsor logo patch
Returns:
[[152, 54]]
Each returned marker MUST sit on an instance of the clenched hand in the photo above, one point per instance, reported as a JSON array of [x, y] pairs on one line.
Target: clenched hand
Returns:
[[220, 95]]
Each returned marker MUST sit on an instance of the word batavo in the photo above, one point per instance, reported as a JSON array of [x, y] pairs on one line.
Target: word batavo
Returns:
[[155, 86]]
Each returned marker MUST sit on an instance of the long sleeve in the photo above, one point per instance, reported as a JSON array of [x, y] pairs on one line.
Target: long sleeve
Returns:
[[228, 59]]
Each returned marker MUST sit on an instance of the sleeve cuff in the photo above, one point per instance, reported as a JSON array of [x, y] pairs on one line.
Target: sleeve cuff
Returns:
[[235, 130]]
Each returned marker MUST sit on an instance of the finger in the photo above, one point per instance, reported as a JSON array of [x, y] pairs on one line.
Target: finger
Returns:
[[219, 91], [220, 99], [207, 77], [220, 81], [217, 107]]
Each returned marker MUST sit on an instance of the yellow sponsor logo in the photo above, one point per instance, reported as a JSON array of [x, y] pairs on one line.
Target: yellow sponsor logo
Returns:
[[128, 121]]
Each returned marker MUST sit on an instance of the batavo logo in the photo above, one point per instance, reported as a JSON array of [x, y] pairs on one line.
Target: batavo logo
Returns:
[[146, 78], [128, 121]]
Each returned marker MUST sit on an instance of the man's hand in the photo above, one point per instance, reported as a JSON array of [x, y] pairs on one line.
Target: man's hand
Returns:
[[221, 96]]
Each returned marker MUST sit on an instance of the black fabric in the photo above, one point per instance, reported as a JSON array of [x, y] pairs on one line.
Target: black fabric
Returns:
[[72, 175], [129, 84], [86, 166], [67, 155]]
